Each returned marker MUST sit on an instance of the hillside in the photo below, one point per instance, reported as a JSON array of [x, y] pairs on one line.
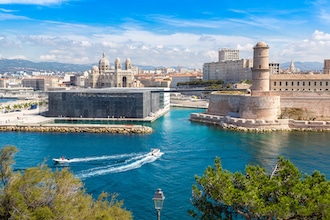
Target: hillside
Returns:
[[16, 65], [304, 66], [7, 65]]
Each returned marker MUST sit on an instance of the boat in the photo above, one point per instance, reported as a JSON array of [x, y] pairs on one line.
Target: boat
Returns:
[[154, 152], [61, 160]]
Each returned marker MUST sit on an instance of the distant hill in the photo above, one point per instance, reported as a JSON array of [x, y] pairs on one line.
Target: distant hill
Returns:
[[304, 66], [13, 65]]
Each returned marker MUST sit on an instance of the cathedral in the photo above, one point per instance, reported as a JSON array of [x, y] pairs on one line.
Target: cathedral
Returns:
[[103, 76]]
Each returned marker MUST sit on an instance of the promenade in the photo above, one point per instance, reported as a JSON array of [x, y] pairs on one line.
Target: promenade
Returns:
[[32, 121]]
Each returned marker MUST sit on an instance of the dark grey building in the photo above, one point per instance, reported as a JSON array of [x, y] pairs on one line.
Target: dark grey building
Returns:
[[104, 103]]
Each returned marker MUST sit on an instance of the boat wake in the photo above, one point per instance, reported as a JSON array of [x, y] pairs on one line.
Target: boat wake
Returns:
[[113, 157], [130, 162]]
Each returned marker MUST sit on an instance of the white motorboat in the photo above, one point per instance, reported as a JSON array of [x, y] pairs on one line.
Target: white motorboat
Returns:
[[154, 152], [61, 160]]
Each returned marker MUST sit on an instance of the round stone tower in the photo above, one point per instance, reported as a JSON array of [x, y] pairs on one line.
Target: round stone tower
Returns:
[[260, 70]]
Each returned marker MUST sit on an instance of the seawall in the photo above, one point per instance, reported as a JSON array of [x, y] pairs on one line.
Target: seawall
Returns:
[[251, 125], [114, 129]]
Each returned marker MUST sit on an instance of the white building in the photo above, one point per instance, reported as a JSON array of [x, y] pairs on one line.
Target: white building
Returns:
[[230, 71], [228, 54], [102, 76]]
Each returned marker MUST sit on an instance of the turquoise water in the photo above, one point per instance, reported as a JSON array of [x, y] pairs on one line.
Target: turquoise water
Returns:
[[119, 163], [6, 100]]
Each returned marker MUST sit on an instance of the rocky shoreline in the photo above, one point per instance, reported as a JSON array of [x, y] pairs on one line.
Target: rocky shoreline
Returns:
[[118, 129]]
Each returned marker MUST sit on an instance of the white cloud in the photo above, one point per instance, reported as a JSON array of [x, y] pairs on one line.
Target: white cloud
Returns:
[[21, 57], [246, 47], [32, 2], [314, 49], [4, 17], [6, 10], [72, 43], [85, 44], [48, 57], [141, 46], [320, 35]]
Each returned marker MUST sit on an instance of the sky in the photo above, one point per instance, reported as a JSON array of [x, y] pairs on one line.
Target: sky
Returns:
[[169, 33]]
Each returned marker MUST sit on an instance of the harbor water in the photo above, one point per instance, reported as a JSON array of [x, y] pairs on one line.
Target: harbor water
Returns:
[[117, 163]]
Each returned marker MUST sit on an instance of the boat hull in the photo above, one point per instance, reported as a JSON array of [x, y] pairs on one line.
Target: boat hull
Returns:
[[60, 160]]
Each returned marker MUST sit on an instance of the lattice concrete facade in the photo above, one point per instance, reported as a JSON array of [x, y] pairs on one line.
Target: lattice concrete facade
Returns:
[[104, 103]]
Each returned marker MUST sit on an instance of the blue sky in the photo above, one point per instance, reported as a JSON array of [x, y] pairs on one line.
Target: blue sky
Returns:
[[162, 33]]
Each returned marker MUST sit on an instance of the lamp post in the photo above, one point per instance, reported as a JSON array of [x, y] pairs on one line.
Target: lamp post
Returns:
[[158, 201]]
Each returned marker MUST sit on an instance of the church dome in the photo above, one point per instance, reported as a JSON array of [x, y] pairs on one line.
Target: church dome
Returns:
[[104, 63], [104, 60], [117, 60], [117, 63], [95, 68], [128, 64]]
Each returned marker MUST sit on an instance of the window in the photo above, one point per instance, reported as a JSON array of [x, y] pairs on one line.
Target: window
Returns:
[[286, 83], [326, 83], [280, 83], [274, 83], [314, 83], [297, 83], [291, 83], [309, 83], [320, 83], [303, 83]]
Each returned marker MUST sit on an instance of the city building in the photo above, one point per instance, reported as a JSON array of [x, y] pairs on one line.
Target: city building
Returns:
[[326, 68], [228, 54], [229, 68], [107, 103], [38, 84], [230, 71], [300, 82], [274, 68]]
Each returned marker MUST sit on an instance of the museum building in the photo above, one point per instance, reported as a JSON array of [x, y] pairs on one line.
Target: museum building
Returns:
[[107, 103]]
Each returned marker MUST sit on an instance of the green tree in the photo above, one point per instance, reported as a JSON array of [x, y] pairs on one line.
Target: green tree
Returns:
[[285, 194], [39, 193]]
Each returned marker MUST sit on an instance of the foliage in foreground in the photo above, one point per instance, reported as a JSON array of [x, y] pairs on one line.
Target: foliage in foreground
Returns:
[[288, 194], [39, 193]]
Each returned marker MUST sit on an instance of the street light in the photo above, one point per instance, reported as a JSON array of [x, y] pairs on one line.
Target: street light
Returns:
[[158, 201]]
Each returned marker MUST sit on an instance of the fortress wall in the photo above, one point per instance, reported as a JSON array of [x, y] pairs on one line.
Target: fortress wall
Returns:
[[305, 108], [314, 94], [251, 107], [260, 107], [222, 104]]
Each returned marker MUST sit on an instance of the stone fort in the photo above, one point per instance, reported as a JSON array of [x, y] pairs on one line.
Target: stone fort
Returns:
[[263, 104]]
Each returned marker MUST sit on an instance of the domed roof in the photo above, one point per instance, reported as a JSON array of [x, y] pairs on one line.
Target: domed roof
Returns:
[[117, 60], [104, 60], [261, 44], [128, 60], [95, 68]]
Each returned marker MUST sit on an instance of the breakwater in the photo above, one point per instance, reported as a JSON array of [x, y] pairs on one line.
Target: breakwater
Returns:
[[62, 128]]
